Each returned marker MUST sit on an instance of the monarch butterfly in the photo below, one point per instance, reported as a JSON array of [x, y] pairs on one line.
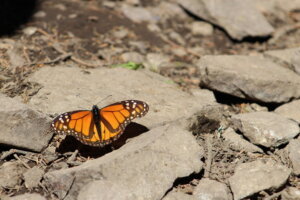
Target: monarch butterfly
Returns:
[[99, 127]]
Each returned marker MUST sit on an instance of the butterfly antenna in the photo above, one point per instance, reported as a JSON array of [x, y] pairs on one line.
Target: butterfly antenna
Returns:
[[104, 99]]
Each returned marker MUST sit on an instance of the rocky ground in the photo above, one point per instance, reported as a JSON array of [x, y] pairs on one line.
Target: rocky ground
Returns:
[[222, 79]]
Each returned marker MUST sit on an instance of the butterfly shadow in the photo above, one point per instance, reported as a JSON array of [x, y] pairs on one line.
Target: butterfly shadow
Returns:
[[70, 144]]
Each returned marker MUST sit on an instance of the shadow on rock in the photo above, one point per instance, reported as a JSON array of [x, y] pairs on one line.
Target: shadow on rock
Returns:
[[14, 13], [70, 144]]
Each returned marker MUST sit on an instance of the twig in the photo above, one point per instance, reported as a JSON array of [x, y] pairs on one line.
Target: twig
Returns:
[[55, 60], [12, 151], [81, 62], [73, 156], [17, 157], [65, 54]]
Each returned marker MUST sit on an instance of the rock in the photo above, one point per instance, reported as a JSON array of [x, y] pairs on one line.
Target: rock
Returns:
[[168, 11], [31, 196], [290, 110], [256, 107], [291, 193], [178, 195], [132, 57], [40, 14], [141, 46], [156, 61], [277, 7], [49, 154], [249, 77], [288, 6], [201, 28], [294, 155], [206, 95], [265, 128], [14, 53], [120, 33], [285, 57], [138, 14], [109, 4], [253, 177], [11, 174], [23, 127], [211, 190], [32, 177], [154, 27], [58, 95], [177, 38], [238, 143], [231, 15], [133, 2], [144, 168], [29, 31], [180, 52], [113, 191]]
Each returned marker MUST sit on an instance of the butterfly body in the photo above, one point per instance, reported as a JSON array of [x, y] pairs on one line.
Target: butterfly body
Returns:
[[99, 127]]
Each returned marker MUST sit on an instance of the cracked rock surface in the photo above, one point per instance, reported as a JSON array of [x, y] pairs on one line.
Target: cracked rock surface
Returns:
[[221, 79]]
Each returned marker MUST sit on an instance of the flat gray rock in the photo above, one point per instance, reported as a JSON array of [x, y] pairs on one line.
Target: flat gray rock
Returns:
[[291, 193], [113, 191], [294, 155], [290, 110], [23, 127], [31, 196], [237, 142], [132, 57], [138, 14], [144, 168], [71, 88], [249, 77], [295, 61], [211, 190], [265, 128], [32, 177], [286, 57], [240, 19], [11, 174], [253, 177]]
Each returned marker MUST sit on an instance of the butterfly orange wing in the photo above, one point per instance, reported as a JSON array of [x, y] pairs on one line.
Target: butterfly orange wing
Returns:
[[77, 123], [113, 120], [115, 117]]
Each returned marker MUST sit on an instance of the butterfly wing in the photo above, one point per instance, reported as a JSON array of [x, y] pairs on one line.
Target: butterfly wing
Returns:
[[79, 124], [112, 122], [115, 117]]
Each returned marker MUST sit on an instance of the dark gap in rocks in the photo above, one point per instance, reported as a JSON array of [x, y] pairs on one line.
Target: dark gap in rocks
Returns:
[[15, 13], [187, 180], [204, 125], [252, 40], [228, 99], [281, 146], [70, 144]]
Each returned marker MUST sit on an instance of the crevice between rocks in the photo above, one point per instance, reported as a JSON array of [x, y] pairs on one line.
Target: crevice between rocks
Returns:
[[228, 99], [187, 180]]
